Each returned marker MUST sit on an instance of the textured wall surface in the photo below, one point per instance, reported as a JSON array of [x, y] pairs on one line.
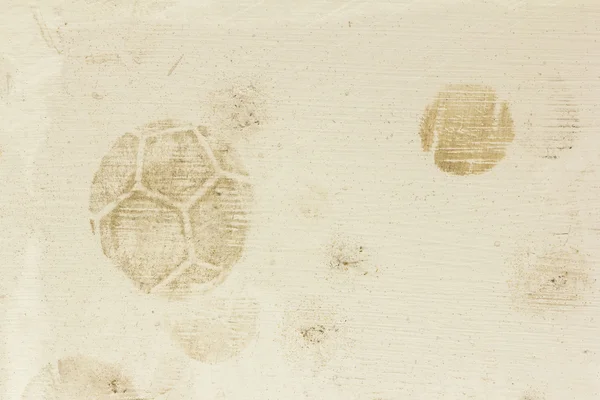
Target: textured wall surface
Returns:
[[289, 200]]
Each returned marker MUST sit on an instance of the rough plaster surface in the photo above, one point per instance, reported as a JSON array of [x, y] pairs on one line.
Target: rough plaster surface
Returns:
[[407, 210]]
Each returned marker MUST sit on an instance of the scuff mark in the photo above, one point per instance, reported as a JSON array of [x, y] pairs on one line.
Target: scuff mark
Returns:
[[9, 83], [45, 32], [102, 58], [175, 66]]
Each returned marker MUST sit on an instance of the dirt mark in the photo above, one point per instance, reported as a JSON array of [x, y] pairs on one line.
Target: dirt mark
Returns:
[[151, 7], [224, 151], [555, 279], [553, 125], [533, 395], [462, 127], [348, 256], [197, 278], [175, 65], [238, 109], [220, 222], [313, 332], [175, 165], [116, 174], [312, 201], [7, 76], [93, 10], [220, 331], [173, 213], [564, 126], [146, 238], [103, 58], [80, 377]]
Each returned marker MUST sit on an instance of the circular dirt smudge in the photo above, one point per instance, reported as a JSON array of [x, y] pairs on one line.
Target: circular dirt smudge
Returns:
[[550, 279], [239, 108], [557, 133], [80, 377], [347, 255], [466, 130], [221, 328], [313, 332], [171, 207], [313, 202], [532, 394]]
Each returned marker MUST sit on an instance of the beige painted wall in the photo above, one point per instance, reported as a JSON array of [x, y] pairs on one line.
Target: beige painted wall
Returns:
[[368, 272]]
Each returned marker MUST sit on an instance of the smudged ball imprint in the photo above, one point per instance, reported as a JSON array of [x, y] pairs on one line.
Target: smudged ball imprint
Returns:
[[554, 280], [462, 127], [80, 378], [170, 202], [239, 108], [533, 395], [312, 333], [220, 330], [346, 255]]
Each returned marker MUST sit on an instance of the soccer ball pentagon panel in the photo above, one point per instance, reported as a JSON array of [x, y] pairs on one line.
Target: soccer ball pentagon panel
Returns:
[[170, 202]]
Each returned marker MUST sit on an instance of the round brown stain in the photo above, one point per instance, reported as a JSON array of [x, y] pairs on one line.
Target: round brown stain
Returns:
[[219, 332], [313, 333], [467, 130], [553, 126], [345, 254], [239, 108], [171, 208], [555, 280], [564, 129], [80, 378], [349, 260], [533, 395]]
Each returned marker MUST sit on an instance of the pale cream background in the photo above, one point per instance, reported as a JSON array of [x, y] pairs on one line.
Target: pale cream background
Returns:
[[346, 84]]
